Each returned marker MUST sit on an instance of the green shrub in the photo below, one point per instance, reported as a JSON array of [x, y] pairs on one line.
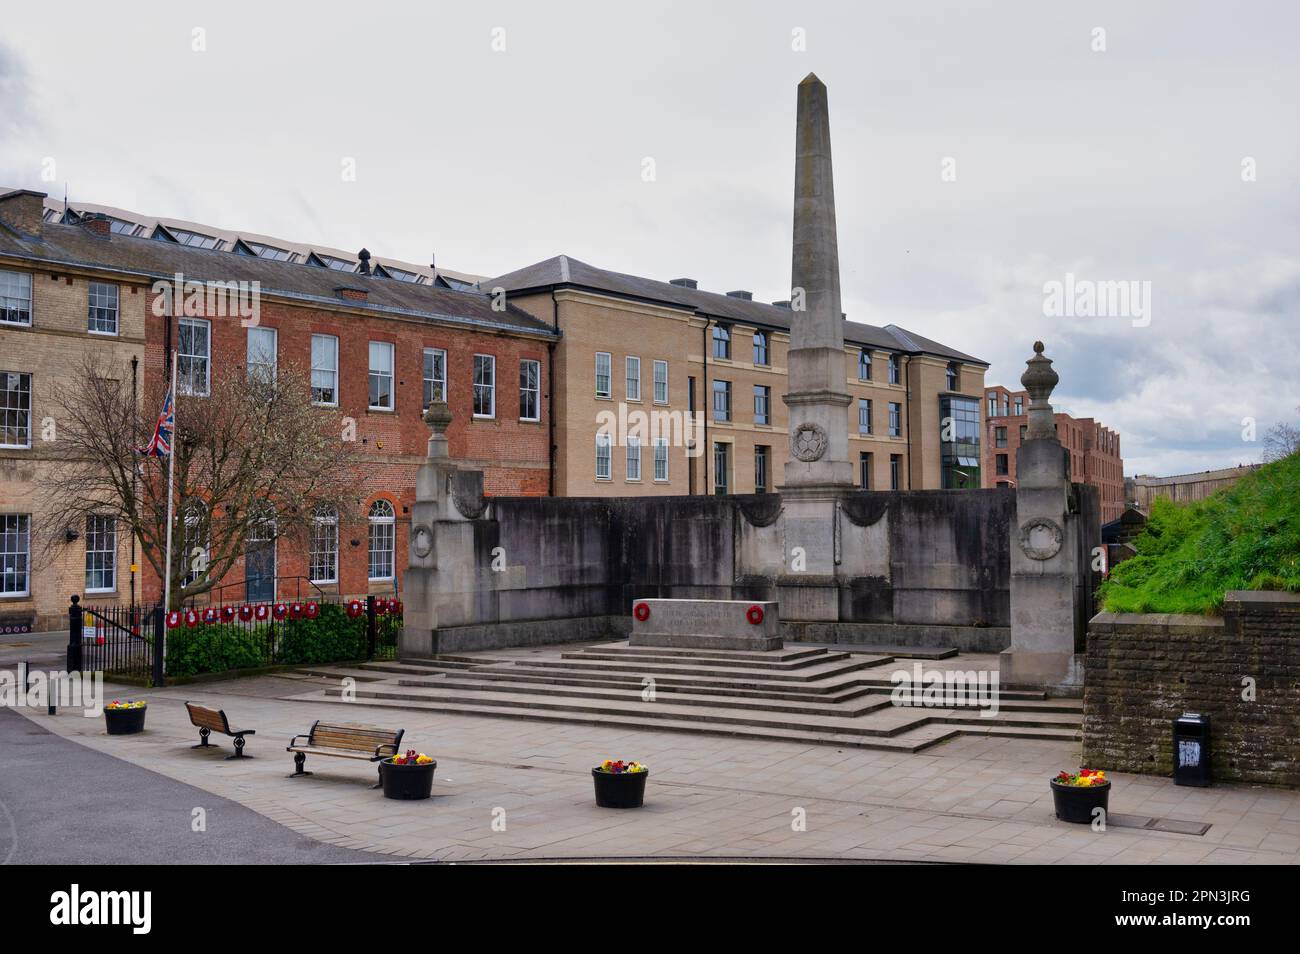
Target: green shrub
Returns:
[[330, 637], [1246, 537], [216, 647]]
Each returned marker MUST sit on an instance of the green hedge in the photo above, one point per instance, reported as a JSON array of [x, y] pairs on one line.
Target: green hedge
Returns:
[[332, 636]]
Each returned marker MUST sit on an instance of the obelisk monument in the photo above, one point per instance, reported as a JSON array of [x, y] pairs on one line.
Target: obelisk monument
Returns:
[[818, 471], [816, 395]]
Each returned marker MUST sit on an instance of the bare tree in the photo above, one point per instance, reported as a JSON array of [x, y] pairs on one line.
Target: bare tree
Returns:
[[1281, 440], [254, 460]]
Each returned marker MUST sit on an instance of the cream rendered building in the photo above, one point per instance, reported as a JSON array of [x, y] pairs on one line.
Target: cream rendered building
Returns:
[[634, 346]]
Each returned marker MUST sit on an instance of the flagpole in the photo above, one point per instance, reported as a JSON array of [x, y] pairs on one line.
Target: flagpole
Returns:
[[171, 471]]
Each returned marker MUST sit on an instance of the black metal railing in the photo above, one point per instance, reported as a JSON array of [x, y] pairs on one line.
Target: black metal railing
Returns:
[[116, 640]]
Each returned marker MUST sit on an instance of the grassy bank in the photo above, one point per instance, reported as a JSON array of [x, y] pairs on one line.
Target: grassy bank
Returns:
[[1246, 537]]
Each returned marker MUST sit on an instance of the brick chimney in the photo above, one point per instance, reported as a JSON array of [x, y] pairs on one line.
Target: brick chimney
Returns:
[[684, 283], [23, 211], [352, 294], [97, 223]]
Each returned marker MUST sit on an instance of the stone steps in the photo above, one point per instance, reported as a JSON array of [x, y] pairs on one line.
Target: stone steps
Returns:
[[681, 668], [715, 659]]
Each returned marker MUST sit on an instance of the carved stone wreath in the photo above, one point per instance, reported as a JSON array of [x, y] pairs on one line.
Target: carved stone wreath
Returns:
[[808, 442], [1040, 538], [422, 540]]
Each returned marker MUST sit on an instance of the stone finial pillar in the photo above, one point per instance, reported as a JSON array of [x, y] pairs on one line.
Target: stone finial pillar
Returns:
[[1048, 570], [816, 395], [439, 586]]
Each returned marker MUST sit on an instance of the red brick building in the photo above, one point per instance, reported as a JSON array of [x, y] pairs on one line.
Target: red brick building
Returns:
[[377, 345], [1094, 449]]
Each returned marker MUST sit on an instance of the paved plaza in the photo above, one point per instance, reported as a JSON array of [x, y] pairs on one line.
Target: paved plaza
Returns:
[[514, 789]]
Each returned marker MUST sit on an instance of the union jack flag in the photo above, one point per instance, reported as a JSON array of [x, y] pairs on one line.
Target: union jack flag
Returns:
[[160, 445]]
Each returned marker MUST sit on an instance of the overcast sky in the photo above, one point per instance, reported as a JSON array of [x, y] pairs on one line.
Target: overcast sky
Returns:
[[1122, 164]]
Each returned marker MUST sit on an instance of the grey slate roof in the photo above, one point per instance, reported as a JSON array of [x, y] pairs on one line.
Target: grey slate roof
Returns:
[[563, 270], [151, 259]]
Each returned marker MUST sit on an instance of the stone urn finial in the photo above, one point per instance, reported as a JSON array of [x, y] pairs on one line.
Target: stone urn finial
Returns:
[[438, 417], [1040, 380]]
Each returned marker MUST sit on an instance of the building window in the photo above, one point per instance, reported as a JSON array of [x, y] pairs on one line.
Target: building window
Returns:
[[602, 457], [864, 470], [1002, 465], [632, 370], [15, 409], [324, 564], [722, 341], [16, 298], [893, 369], [864, 416], [381, 375], [1020, 405], [101, 318], [952, 377], [261, 353], [959, 447], [194, 358], [383, 527], [661, 382], [195, 523], [1024, 429], [895, 419], [993, 405], [762, 404], [634, 458], [485, 385], [721, 470], [661, 458], [530, 390], [101, 554], [721, 400], [760, 348], [762, 454], [864, 365], [325, 369], [1000, 436], [435, 376], [895, 472], [15, 554], [603, 374]]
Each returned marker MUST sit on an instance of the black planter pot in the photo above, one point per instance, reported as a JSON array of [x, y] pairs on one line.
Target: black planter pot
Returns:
[[409, 782], [619, 789], [1075, 803], [125, 721]]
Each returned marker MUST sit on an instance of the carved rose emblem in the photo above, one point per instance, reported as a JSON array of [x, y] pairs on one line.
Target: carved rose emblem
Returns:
[[808, 442]]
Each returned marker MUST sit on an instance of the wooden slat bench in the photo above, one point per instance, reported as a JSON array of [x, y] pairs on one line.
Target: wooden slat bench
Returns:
[[214, 720], [344, 741]]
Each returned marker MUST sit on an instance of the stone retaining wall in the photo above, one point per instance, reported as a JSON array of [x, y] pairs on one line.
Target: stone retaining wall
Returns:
[[1143, 670]]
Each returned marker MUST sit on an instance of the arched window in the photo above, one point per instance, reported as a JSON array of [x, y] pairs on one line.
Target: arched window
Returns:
[[382, 537], [722, 341], [324, 545]]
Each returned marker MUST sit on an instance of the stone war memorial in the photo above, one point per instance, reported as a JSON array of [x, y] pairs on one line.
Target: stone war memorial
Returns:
[[987, 571]]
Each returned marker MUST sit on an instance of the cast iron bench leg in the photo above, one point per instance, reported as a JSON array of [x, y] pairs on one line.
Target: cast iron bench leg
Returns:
[[299, 758], [380, 783], [239, 750], [203, 740]]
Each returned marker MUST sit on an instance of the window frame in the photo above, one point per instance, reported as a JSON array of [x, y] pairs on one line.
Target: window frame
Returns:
[[895, 419], [5, 298], [664, 364], [107, 557], [722, 341], [864, 364], [630, 377], [484, 362], [325, 516], [605, 444], [375, 524], [22, 534], [632, 473], [608, 392], [864, 404], [430, 384], [185, 379], [661, 444], [92, 307], [763, 392], [333, 372], [725, 392], [259, 331], [762, 349], [535, 390], [372, 374], [763, 456], [17, 410]]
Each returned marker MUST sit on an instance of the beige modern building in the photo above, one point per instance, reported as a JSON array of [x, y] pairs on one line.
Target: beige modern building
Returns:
[[662, 388]]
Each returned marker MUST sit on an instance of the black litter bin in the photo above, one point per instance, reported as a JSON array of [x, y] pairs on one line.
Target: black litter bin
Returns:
[[1192, 749]]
